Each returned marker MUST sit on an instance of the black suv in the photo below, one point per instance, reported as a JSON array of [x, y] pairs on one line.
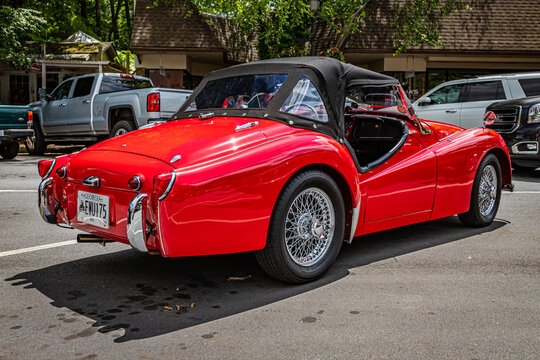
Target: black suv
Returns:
[[518, 122]]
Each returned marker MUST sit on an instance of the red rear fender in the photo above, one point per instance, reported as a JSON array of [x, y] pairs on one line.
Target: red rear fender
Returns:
[[225, 205]]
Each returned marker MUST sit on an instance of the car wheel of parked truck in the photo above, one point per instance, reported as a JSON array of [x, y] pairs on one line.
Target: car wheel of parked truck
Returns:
[[9, 150], [306, 229], [486, 194], [122, 127], [36, 145]]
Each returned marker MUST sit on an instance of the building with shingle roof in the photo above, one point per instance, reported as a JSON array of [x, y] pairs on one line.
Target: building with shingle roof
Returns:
[[495, 36]]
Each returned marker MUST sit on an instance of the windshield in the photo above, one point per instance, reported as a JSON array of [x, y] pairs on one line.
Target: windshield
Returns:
[[238, 92], [374, 98]]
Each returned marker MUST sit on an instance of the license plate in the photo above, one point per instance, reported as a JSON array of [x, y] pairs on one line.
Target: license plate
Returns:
[[93, 209]]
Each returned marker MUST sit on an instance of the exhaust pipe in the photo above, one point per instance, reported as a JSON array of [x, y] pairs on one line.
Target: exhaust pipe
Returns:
[[89, 238]]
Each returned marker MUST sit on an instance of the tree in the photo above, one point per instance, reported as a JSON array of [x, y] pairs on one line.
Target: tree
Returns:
[[16, 27], [280, 24]]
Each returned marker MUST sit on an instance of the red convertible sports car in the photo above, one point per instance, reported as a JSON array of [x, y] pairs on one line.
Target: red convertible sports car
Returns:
[[288, 158]]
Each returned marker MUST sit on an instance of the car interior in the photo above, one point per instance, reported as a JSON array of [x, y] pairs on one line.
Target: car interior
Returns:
[[373, 138]]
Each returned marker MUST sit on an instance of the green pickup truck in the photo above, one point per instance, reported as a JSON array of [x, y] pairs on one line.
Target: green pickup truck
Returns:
[[15, 122]]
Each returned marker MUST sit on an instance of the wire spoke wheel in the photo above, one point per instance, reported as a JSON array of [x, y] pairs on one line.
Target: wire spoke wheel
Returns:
[[488, 190], [309, 226]]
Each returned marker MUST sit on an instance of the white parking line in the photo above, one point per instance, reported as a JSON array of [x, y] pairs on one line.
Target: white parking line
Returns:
[[522, 192], [15, 191], [36, 248]]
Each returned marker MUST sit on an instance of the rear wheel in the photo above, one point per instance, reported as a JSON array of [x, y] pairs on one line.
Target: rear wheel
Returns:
[[122, 127], [486, 194], [35, 144], [306, 229], [9, 151]]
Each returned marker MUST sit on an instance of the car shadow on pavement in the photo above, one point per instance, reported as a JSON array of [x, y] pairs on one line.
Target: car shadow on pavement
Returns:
[[149, 296]]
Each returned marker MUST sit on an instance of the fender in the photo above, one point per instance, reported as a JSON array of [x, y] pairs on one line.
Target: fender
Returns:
[[38, 119], [225, 205], [120, 101], [458, 159]]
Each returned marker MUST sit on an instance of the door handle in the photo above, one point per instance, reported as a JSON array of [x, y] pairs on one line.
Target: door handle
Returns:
[[62, 105], [86, 102], [451, 111]]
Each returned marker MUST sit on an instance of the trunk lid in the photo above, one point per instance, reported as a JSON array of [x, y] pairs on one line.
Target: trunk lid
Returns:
[[193, 141]]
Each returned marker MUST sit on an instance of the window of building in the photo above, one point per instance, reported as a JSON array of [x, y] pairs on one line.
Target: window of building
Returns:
[[83, 86], [484, 91], [51, 82], [531, 87], [19, 93], [176, 79], [304, 100]]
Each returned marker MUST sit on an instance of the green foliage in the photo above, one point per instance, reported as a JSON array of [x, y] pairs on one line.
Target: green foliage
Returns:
[[417, 21], [127, 60], [282, 25], [333, 53], [16, 27]]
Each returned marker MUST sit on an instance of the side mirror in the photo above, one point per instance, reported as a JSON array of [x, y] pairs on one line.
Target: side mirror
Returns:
[[42, 93], [424, 101]]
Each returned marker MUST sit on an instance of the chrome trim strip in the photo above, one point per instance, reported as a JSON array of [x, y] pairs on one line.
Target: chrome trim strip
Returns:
[[159, 229], [136, 223], [169, 187], [50, 169], [516, 151], [43, 202], [354, 221]]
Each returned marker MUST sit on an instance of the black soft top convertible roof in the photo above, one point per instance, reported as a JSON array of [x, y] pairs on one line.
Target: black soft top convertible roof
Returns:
[[330, 76]]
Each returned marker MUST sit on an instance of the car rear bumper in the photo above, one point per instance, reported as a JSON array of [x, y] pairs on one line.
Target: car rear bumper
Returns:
[[9, 135]]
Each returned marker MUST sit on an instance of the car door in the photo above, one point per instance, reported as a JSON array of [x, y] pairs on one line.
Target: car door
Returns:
[[444, 105], [79, 106], [476, 97], [53, 111], [401, 191]]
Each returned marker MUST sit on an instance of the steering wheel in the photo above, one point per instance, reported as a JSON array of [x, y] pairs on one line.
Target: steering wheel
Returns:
[[309, 107]]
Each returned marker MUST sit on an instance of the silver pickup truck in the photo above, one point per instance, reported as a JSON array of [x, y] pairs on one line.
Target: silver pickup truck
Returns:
[[89, 108]]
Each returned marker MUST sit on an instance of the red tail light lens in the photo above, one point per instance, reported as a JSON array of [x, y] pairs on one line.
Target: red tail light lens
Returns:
[[45, 167], [163, 184], [61, 172], [152, 102], [30, 120], [489, 118], [135, 183]]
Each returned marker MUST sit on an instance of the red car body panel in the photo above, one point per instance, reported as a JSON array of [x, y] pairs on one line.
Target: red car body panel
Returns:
[[224, 204], [228, 173]]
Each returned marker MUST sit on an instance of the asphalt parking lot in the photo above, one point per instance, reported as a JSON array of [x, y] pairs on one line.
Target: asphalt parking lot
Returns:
[[435, 290]]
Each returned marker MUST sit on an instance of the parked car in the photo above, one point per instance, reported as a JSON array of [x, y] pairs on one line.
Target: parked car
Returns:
[[15, 126], [518, 122], [88, 108], [463, 102], [290, 178]]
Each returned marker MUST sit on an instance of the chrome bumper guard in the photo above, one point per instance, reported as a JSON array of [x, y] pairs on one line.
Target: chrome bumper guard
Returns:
[[136, 223], [45, 189]]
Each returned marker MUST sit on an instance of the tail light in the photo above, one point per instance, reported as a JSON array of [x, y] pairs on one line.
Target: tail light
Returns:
[[135, 183], [152, 102], [61, 172], [45, 167], [30, 120], [489, 118], [163, 184]]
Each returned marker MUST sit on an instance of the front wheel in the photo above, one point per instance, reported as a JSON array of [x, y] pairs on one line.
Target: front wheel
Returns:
[[306, 229], [35, 144], [486, 194]]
